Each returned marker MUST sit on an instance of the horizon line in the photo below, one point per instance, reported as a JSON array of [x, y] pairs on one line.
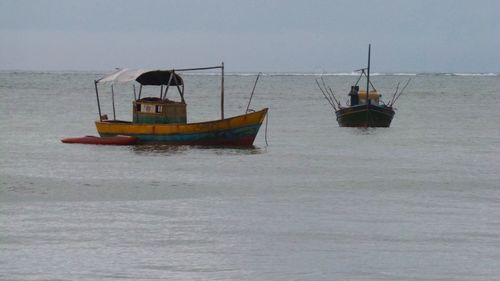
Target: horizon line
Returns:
[[275, 73]]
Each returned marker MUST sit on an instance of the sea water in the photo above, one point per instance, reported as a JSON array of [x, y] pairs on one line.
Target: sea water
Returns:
[[417, 201]]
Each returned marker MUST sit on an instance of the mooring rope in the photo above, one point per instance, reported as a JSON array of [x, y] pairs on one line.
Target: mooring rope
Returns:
[[265, 132]]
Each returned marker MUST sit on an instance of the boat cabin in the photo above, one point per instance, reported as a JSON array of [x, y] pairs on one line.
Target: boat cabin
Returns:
[[160, 110], [358, 97], [152, 110]]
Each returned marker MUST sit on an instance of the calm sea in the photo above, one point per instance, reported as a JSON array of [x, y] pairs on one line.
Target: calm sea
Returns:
[[417, 201]]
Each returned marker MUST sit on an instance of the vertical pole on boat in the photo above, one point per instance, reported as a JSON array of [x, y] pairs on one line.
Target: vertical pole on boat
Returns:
[[368, 77], [253, 90], [172, 74], [181, 91], [134, 110], [98, 104], [368, 90], [113, 101], [222, 93]]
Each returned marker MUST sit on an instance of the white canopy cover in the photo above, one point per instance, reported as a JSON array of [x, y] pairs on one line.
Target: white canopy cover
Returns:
[[123, 75]]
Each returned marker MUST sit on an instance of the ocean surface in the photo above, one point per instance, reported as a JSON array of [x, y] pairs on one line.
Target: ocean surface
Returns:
[[417, 201]]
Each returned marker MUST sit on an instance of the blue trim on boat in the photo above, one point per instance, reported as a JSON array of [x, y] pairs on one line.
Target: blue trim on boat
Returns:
[[230, 134]]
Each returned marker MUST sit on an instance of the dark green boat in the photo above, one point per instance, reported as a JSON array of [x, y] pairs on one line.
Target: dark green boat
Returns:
[[365, 108], [365, 116]]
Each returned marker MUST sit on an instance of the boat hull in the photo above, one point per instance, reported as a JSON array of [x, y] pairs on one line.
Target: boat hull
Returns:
[[365, 116], [238, 131]]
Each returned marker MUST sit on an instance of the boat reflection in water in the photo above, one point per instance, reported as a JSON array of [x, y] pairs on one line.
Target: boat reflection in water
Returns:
[[152, 149]]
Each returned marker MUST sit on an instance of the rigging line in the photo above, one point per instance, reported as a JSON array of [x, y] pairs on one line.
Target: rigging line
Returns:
[[198, 68], [373, 86], [330, 93], [408, 82], [394, 95], [323, 92], [326, 90], [361, 75], [253, 90], [333, 95], [326, 97]]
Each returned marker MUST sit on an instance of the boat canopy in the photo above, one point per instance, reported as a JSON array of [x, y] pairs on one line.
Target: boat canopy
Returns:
[[144, 77]]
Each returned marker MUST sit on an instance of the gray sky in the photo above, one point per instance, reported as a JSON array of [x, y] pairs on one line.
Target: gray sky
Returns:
[[253, 35]]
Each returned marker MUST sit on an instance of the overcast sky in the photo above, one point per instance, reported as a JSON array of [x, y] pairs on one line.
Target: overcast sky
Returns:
[[253, 35]]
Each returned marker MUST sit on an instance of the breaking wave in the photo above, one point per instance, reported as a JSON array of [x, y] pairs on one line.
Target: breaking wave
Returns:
[[475, 74]]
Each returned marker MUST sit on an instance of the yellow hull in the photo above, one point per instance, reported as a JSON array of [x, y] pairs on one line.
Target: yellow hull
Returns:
[[238, 130]]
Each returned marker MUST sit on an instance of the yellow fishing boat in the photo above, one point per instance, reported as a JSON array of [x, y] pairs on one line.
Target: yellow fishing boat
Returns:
[[161, 120]]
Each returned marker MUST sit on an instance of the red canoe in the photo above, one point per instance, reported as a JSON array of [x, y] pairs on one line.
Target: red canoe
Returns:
[[115, 140]]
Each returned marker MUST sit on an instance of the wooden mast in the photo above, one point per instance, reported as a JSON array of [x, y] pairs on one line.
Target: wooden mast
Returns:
[[368, 89], [222, 93], [97, 96], [113, 101], [368, 77]]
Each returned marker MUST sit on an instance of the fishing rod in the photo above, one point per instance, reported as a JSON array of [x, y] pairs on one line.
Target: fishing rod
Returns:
[[333, 95], [326, 96], [397, 97], [330, 92], [394, 95]]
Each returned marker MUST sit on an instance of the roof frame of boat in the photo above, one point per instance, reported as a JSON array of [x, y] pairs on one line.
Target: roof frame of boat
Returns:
[[148, 77], [363, 73]]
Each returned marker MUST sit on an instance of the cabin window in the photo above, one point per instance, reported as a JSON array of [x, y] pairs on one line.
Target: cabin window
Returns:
[[159, 109], [149, 108]]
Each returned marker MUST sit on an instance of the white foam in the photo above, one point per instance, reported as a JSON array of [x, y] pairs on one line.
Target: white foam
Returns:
[[475, 74], [404, 74]]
